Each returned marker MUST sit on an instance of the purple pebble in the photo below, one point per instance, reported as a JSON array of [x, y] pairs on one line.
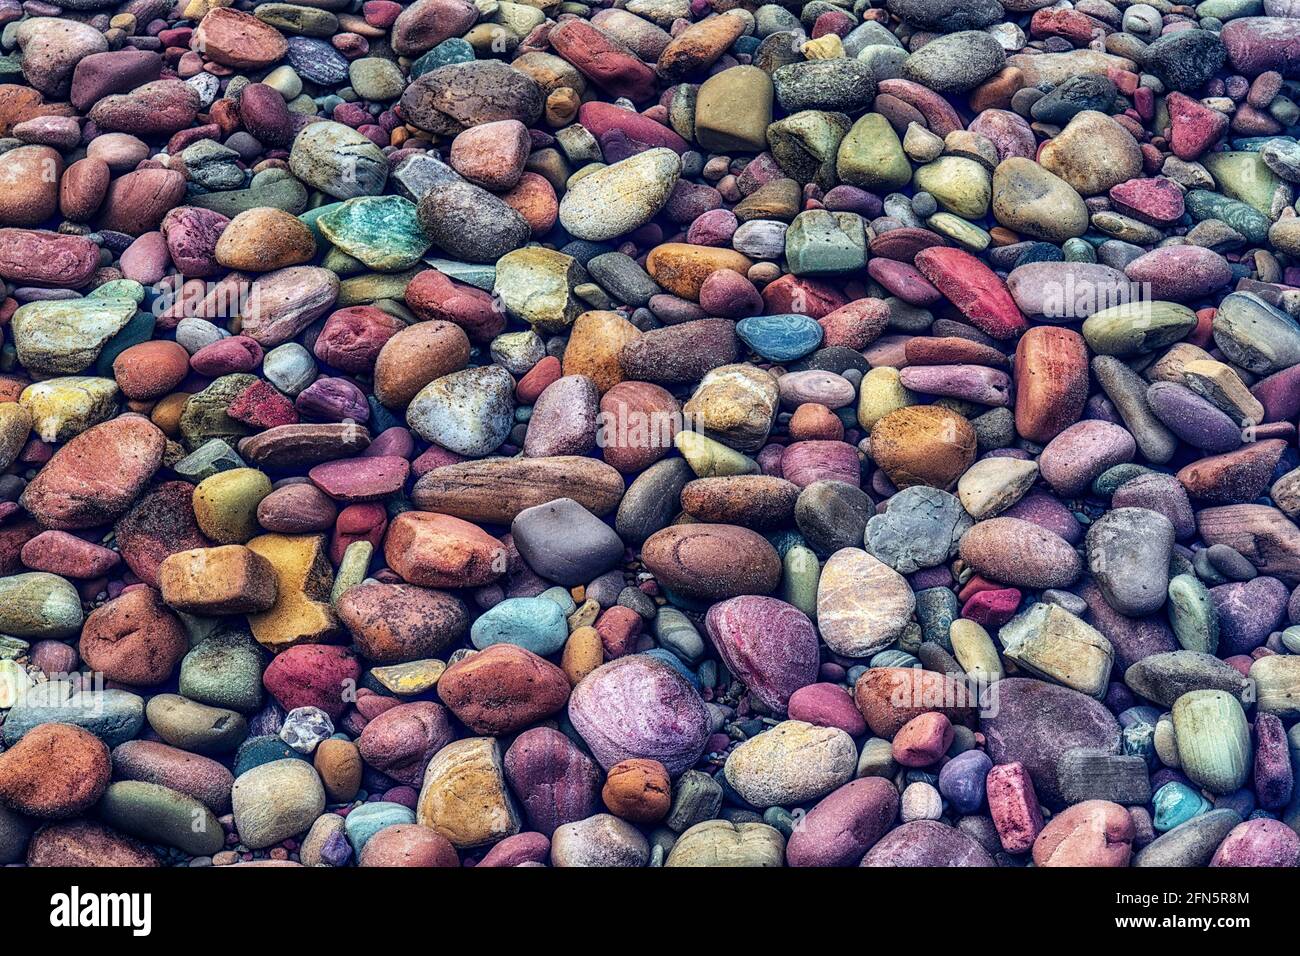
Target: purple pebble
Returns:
[[961, 781]]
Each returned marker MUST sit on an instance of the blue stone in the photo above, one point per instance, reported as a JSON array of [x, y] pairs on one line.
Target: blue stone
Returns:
[[961, 781], [1177, 803], [114, 716], [535, 624], [454, 50], [780, 338], [936, 609], [317, 61], [365, 821]]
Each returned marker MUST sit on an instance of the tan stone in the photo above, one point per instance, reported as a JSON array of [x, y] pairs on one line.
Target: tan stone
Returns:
[[226, 580], [464, 796], [301, 613], [736, 405], [681, 268], [594, 345]]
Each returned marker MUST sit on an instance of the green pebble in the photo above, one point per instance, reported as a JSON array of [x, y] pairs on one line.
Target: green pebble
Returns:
[[1192, 615], [352, 569]]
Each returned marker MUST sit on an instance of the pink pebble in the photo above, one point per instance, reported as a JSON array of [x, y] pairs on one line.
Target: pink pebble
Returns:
[[1013, 804]]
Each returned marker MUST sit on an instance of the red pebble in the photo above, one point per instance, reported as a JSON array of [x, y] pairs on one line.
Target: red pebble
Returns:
[[974, 289], [1013, 804], [618, 627], [360, 522], [992, 608], [534, 382], [261, 406], [923, 740]]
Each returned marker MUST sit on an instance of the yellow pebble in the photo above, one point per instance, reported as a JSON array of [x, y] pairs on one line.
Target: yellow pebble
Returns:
[[583, 653], [827, 47]]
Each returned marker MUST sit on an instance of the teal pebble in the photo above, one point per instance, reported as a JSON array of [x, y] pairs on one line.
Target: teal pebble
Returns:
[[780, 338], [1177, 803], [535, 624], [365, 821], [936, 609], [454, 50]]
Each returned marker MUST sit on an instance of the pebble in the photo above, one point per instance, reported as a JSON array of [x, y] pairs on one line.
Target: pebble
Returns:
[[791, 763]]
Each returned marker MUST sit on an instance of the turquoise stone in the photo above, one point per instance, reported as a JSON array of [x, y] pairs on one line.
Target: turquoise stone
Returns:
[[381, 231], [536, 624], [1177, 803], [780, 338], [454, 50], [311, 219], [114, 716], [365, 821]]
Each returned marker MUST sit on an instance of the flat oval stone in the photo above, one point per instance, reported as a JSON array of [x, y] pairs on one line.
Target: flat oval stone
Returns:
[[97, 475], [1020, 553], [780, 338], [862, 603], [621, 197], [768, 644], [496, 491], [791, 763], [639, 707], [712, 561], [1083, 451]]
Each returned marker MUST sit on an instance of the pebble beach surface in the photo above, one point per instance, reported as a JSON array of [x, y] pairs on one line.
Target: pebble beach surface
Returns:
[[649, 433]]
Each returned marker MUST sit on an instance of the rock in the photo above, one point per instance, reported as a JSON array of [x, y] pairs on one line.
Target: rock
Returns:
[[160, 815], [722, 843], [1128, 555], [396, 623], [1091, 833], [464, 795], [97, 475], [791, 763], [620, 198], [402, 740], [768, 644], [927, 843], [1037, 724], [601, 840], [276, 801], [238, 40], [133, 639], [639, 707], [502, 689], [710, 562], [337, 160], [54, 772], [468, 412], [1020, 553], [556, 782]]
